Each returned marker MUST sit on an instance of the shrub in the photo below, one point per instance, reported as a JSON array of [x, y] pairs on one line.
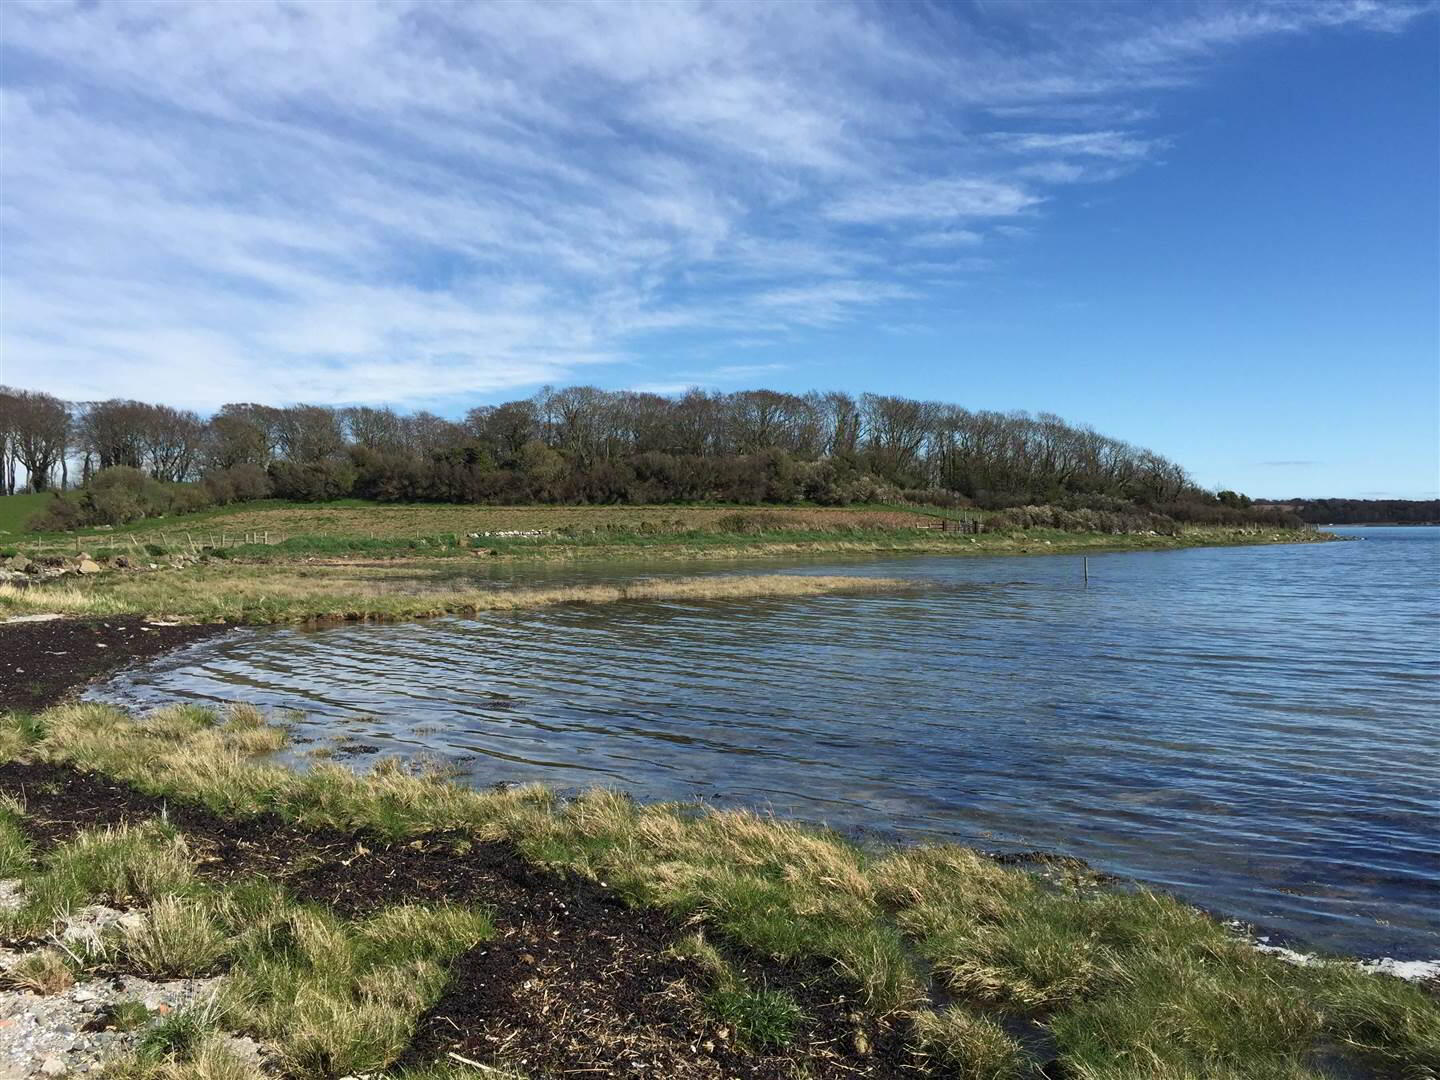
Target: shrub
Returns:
[[60, 515], [238, 483], [121, 494], [188, 498], [319, 481]]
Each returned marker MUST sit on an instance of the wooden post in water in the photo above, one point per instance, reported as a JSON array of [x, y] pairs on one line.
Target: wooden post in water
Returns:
[[1085, 564]]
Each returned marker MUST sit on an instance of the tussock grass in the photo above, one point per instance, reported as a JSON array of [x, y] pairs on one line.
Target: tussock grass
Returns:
[[956, 1042], [340, 998], [187, 1045], [1130, 984], [273, 594], [1386, 1019], [178, 937], [123, 865], [210, 1059], [44, 971]]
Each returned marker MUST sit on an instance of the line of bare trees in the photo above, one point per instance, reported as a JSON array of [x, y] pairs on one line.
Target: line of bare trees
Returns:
[[43, 436], [582, 444]]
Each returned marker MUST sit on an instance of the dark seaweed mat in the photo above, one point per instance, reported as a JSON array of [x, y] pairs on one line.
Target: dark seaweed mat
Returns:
[[575, 982]]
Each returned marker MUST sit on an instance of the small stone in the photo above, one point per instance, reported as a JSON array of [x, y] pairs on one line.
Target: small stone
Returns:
[[85, 995], [53, 1066], [88, 566]]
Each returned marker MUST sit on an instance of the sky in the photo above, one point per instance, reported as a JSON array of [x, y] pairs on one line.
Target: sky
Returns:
[[1207, 228]]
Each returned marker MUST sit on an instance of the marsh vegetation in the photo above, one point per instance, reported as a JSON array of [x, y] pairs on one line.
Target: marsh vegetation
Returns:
[[329, 959]]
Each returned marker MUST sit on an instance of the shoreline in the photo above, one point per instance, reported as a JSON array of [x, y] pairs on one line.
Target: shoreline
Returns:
[[586, 915], [351, 579]]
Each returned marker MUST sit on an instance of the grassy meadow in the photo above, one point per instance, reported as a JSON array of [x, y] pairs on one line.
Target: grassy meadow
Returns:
[[979, 970], [16, 510]]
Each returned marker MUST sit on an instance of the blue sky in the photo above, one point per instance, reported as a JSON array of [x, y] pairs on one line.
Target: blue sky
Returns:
[[1206, 228]]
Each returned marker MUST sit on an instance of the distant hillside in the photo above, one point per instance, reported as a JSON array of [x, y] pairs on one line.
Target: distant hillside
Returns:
[[1359, 511]]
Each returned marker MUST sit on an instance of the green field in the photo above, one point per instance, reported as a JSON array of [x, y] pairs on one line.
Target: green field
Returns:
[[15, 510]]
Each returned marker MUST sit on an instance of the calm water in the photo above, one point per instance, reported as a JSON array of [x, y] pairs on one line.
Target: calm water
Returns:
[[1253, 728]]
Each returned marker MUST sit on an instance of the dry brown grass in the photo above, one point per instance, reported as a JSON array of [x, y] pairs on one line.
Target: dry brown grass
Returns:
[[44, 971], [242, 593]]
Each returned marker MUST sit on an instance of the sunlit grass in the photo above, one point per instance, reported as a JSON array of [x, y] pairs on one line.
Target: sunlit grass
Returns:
[[1129, 984], [270, 593]]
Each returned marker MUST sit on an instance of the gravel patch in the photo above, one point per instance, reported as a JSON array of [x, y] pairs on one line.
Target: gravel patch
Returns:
[[70, 1033]]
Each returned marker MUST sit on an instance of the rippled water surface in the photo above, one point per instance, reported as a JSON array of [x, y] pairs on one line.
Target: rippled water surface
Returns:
[[1253, 728]]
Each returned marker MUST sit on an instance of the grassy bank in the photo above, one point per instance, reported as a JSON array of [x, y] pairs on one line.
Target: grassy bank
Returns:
[[285, 563], [250, 530], [282, 563], [944, 963], [276, 593]]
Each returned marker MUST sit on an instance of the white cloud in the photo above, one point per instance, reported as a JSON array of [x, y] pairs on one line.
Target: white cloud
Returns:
[[1116, 145], [402, 201], [944, 238], [933, 200]]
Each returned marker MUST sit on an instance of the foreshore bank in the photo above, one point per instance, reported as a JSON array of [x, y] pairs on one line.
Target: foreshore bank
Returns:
[[546, 937], [312, 577]]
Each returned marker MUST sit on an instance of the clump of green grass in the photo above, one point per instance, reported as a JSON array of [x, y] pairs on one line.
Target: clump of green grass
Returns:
[[957, 1042], [180, 1034], [44, 971], [339, 998], [122, 865], [761, 1018], [16, 857], [127, 1015], [177, 937]]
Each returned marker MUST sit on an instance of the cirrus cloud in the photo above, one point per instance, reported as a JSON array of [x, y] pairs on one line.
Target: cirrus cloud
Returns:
[[408, 202]]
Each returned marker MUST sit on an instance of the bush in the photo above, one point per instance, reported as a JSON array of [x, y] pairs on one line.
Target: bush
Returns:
[[121, 494], [60, 515], [319, 481], [238, 483], [188, 498]]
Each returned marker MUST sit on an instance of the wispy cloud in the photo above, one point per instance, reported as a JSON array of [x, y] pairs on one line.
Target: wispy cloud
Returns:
[[1116, 145], [403, 201]]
